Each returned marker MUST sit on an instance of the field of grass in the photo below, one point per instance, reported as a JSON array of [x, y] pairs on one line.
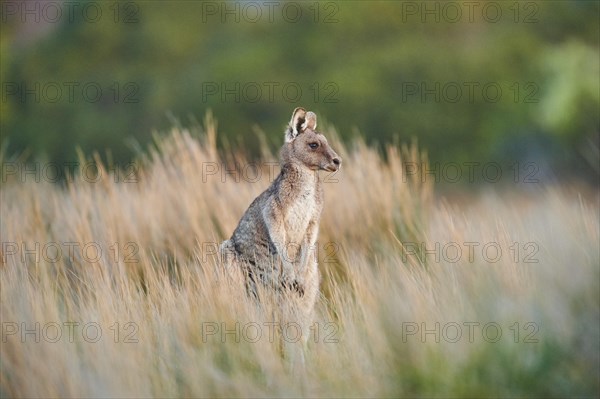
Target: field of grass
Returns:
[[112, 288]]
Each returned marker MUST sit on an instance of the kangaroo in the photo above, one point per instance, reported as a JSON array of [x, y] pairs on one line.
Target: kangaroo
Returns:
[[274, 242]]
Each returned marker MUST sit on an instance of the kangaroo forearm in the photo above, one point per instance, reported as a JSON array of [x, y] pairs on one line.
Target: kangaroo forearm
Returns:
[[277, 234]]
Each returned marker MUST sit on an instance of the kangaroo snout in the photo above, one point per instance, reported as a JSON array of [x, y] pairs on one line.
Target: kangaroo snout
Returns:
[[334, 165]]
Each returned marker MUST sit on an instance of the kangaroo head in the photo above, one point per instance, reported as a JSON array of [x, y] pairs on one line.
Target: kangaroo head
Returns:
[[305, 145]]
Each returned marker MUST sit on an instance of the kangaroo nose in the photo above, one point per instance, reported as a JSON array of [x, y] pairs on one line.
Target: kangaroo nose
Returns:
[[337, 161]]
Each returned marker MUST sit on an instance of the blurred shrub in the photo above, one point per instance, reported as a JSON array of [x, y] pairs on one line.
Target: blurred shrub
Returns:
[[377, 68]]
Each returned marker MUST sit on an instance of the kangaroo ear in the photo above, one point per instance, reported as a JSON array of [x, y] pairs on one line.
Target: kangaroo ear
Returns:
[[296, 124], [310, 121]]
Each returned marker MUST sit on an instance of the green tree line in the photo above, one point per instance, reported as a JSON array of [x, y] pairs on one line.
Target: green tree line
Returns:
[[471, 81]]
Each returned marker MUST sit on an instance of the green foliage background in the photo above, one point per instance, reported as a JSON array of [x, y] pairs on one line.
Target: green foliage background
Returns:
[[361, 54]]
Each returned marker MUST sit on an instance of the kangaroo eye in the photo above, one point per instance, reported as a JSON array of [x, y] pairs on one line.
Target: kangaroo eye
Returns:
[[314, 146]]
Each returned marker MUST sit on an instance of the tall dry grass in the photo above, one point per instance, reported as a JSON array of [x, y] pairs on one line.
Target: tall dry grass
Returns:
[[390, 312]]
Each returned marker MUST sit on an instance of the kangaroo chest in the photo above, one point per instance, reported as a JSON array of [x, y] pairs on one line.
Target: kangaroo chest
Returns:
[[299, 214]]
